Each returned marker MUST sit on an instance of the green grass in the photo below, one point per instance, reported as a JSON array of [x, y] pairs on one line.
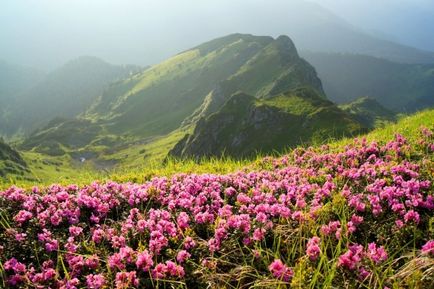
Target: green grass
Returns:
[[407, 125]]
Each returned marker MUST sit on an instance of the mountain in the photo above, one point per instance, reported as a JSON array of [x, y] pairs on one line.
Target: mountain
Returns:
[[11, 162], [369, 112], [246, 125], [397, 86], [185, 90], [156, 101], [66, 92], [14, 81]]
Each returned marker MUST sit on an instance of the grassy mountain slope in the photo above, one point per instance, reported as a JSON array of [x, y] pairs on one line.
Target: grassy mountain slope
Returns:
[[65, 92], [11, 162], [245, 125], [369, 112], [158, 100], [399, 87]]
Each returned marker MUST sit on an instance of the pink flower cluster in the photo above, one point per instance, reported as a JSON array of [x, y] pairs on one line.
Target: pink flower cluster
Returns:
[[280, 270], [428, 248], [133, 234], [355, 258], [313, 249]]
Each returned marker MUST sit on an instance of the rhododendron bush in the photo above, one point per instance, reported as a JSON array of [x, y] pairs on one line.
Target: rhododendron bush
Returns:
[[361, 217]]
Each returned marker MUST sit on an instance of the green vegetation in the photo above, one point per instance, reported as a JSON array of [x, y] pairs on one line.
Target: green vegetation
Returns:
[[409, 126], [11, 162], [369, 112], [158, 100]]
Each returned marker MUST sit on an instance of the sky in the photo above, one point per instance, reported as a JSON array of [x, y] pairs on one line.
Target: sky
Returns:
[[47, 33], [409, 22]]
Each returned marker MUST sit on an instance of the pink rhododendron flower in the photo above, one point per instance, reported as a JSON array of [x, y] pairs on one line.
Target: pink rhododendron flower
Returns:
[[182, 256], [428, 248], [376, 254], [144, 261], [313, 248], [126, 280], [96, 281], [352, 257], [280, 270]]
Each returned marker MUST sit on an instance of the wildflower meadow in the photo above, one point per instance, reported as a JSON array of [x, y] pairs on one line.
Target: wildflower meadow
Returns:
[[356, 217]]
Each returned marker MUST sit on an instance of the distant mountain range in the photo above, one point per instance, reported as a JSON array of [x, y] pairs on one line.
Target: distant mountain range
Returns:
[[397, 86], [65, 92], [317, 29], [14, 81]]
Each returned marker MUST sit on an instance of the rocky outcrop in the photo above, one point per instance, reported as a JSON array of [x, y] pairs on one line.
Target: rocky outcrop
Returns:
[[245, 126]]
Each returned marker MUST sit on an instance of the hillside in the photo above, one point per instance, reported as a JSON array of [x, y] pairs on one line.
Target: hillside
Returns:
[[245, 125], [396, 86], [66, 92], [11, 162], [133, 163], [369, 112]]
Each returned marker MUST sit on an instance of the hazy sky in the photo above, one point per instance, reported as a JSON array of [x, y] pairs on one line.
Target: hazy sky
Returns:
[[47, 33], [406, 21]]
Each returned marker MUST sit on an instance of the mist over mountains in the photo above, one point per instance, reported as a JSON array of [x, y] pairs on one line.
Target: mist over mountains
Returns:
[[67, 91], [144, 39]]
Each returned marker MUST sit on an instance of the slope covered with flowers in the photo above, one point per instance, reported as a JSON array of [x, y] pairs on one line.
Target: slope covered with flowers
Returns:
[[359, 217]]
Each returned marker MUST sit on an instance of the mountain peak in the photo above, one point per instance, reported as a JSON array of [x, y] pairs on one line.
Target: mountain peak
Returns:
[[285, 41]]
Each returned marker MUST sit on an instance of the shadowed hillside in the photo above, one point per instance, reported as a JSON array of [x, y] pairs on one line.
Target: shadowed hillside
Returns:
[[396, 86]]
